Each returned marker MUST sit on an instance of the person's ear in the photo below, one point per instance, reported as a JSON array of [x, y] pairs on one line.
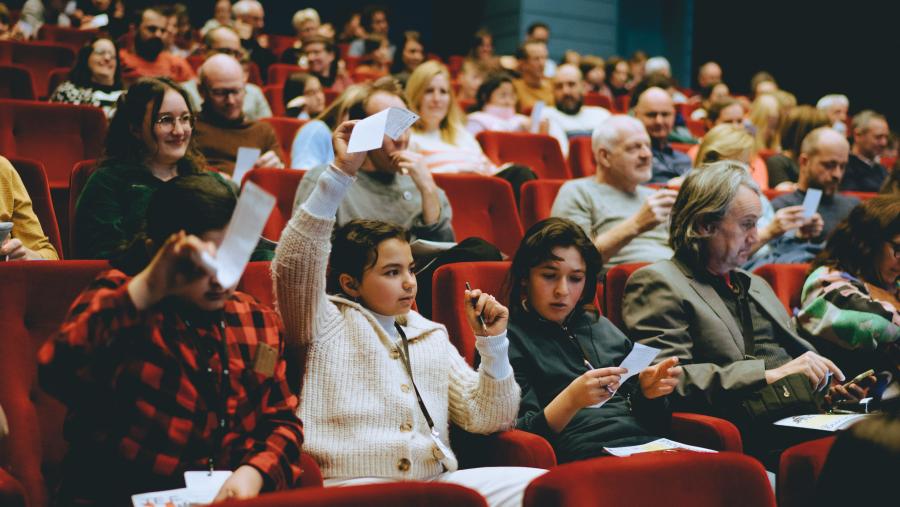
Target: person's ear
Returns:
[[803, 160], [349, 285]]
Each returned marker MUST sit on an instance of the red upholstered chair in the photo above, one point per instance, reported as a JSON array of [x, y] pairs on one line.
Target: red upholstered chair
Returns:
[[67, 36], [278, 43], [405, 494], [16, 82], [41, 58], [285, 129], [455, 63], [483, 207], [56, 78], [254, 76], [623, 103], [799, 470], [697, 128], [862, 196], [536, 200], [195, 61], [465, 104], [80, 174], [539, 152], [282, 183], [35, 179], [581, 157], [330, 95], [787, 282], [682, 147], [257, 281], [362, 75], [279, 72], [598, 99], [679, 478], [614, 286], [771, 193], [275, 98]]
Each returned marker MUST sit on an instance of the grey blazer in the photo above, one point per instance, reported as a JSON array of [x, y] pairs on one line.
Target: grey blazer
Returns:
[[667, 307]]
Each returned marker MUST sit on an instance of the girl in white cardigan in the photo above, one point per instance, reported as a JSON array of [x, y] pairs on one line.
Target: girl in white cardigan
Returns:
[[362, 416]]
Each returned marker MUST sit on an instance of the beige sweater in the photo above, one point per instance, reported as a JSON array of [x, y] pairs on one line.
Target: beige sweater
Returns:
[[360, 413]]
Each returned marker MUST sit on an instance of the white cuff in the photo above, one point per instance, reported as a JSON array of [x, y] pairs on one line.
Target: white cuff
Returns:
[[326, 198], [494, 351]]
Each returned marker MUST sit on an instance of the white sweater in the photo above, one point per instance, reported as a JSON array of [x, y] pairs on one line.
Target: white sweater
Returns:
[[360, 413]]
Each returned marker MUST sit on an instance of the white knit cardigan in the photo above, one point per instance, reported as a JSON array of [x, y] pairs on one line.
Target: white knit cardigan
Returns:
[[360, 413]]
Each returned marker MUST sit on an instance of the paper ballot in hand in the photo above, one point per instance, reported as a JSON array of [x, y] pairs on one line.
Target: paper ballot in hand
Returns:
[[536, 112], [246, 158], [369, 133], [241, 236], [639, 358], [811, 202]]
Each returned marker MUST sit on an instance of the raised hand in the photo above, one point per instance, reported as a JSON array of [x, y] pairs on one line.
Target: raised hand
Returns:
[[175, 266], [348, 163]]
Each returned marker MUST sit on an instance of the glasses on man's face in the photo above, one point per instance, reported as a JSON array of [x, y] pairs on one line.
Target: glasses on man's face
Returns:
[[167, 122], [224, 93]]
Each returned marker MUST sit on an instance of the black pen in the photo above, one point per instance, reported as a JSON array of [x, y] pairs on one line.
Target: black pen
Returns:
[[474, 301]]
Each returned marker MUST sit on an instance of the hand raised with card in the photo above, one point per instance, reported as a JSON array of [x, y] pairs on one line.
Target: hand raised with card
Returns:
[[175, 266], [348, 163]]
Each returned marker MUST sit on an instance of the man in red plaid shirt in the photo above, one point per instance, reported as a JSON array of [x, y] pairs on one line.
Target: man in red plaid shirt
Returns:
[[168, 371]]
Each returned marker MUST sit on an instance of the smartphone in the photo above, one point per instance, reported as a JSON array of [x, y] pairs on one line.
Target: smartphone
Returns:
[[5, 229]]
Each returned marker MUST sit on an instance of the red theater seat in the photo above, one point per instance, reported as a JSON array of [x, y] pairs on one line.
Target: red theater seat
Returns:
[[278, 43], [35, 179], [285, 129], [398, 494], [540, 152], [616, 278], [862, 196], [279, 72], [537, 198], [282, 183], [652, 479], [581, 157], [40, 58], [275, 98], [599, 100], [56, 78], [787, 282], [799, 470], [484, 207], [78, 179], [16, 82], [67, 36]]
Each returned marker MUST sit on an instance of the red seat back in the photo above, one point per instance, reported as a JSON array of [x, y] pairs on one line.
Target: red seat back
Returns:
[[484, 207], [78, 179], [330, 95], [285, 129], [56, 78], [696, 127], [799, 471], [862, 196], [448, 297], [681, 478], [787, 282], [257, 281], [279, 72], [41, 58], [73, 38], [278, 43], [599, 100], [536, 200], [682, 147], [282, 183], [396, 494], [623, 103], [614, 289], [16, 82], [539, 152], [35, 179], [275, 97], [581, 157], [34, 300], [58, 135]]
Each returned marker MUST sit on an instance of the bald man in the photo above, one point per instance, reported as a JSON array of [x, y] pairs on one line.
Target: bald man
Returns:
[[709, 74], [823, 159], [656, 111], [224, 40], [221, 127], [570, 117]]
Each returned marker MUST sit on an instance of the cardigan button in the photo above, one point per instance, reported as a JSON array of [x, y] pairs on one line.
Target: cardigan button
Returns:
[[395, 354], [406, 427], [403, 465], [404, 388]]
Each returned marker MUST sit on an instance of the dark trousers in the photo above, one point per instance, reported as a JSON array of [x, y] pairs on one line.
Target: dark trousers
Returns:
[[516, 175], [468, 250]]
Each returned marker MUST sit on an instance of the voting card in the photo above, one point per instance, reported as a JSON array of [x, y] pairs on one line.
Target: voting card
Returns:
[[246, 158], [368, 134]]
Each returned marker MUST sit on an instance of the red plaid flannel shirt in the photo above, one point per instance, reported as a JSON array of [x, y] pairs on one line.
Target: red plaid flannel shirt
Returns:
[[137, 383]]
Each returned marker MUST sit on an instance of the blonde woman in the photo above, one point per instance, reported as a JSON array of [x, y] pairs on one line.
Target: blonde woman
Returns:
[[765, 115], [440, 135]]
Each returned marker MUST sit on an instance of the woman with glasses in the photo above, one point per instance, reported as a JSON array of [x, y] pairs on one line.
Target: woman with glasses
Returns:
[[148, 143], [95, 79], [850, 304]]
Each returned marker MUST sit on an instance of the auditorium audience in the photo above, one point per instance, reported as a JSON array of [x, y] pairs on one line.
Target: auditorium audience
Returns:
[[306, 23], [617, 76], [95, 79], [470, 77], [783, 168], [26, 240], [481, 52], [728, 329], [570, 117], [348, 301], [593, 68], [312, 144], [835, 105], [709, 95], [655, 109], [540, 31], [375, 61], [870, 136], [303, 96], [221, 17], [149, 142], [709, 74], [147, 57], [224, 40], [624, 219], [762, 83], [249, 20], [221, 126], [766, 117], [532, 86], [565, 355], [850, 305], [129, 431]]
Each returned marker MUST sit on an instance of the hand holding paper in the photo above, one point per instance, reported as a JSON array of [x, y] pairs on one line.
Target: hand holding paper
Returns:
[[246, 158], [639, 358]]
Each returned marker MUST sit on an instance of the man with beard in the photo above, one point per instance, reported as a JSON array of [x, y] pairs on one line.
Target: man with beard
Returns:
[[570, 114], [147, 58], [222, 127], [823, 159], [625, 219]]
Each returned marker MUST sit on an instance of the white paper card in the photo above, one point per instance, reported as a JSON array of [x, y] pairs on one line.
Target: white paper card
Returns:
[[662, 444], [639, 358], [246, 158], [821, 422], [204, 486], [169, 498], [811, 202], [250, 216], [426, 248], [536, 113], [99, 21], [369, 133]]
